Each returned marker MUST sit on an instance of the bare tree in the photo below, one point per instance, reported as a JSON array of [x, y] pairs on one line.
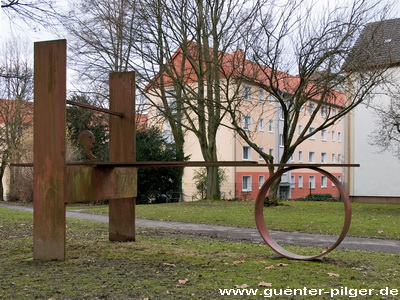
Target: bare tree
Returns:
[[318, 48], [41, 12], [16, 87], [102, 37], [182, 52]]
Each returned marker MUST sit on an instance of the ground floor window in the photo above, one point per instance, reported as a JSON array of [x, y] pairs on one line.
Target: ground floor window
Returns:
[[246, 183]]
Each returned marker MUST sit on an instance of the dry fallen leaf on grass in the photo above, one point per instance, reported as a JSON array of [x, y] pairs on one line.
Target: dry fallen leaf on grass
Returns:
[[267, 284], [270, 267], [183, 281], [236, 262], [242, 286], [333, 275], [168, 265]]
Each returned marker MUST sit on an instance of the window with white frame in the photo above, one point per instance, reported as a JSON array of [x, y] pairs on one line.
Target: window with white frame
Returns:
[[246, 122], [339, 158], [281, 116], [300, 129], [300, 181], [271, 125], [261, 124], [261, 180], [260, 156], [271, 152], [323, 134], [311, 130], [333, 136], [292, 181], [324, 182], [324, 111], [339, 137], [280, 140], [339, 178], [300, 156], [246, 183], [271, 99], [323, 157], [333, 158], [246, 92], [311, 182], [311, 108], [246, 153], [311, 157], [261, 96]]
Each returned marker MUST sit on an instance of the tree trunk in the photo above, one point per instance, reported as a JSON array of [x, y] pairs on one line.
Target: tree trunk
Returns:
[[213, 184]]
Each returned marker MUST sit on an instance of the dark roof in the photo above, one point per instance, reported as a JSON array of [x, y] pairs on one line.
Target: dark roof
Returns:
[[378, 44]]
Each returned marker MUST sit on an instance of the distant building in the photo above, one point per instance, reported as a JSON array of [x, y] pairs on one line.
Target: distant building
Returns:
[[377, 180], [264, 121]]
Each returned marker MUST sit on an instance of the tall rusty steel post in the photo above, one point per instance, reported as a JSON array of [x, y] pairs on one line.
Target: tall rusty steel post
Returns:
[[122, 149], [49, 150]]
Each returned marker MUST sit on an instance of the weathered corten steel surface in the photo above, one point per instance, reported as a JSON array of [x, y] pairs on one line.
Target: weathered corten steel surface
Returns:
[[263, 230], [122, 149], [49, 150], [86, 184]]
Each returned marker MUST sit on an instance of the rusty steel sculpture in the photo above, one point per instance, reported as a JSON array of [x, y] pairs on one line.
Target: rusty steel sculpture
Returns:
[[57, 182]]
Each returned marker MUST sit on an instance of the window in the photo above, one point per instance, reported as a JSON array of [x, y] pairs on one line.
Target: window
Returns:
[[259, 156], [324, 181], [333, 136], [333, 158], [246, 153], [246, 183], [311, 130], [261, 96], [261, 180], [280, 113], [292, 158], [311, 157], [271, 126], [300, 156], [281, 140], [323, 134], [261, 124], [339, 158], [323, 157], [246, 122], [323, 112], [311, 182], [300, 182], [311, 108], [271, 152], [339, 137], [300, 129], [292, 181], [246, 92], [271, 99]]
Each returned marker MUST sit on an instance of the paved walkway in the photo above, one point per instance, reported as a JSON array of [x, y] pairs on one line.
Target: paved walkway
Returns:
[[247, 234]]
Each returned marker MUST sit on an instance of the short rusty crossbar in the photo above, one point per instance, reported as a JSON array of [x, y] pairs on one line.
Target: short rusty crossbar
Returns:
[[103, 110]]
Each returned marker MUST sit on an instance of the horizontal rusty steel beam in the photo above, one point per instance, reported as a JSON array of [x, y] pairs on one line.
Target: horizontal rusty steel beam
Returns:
[[159, 164]]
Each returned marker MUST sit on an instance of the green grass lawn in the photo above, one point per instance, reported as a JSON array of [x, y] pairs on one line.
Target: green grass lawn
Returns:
[[165, 265], [369, 220]]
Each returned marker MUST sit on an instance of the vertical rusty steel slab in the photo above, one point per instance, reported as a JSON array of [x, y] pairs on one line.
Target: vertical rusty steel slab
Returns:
[[49, 150], [122, 149]]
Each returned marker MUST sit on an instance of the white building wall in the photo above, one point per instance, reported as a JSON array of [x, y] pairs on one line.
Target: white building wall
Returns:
[[378, 174]]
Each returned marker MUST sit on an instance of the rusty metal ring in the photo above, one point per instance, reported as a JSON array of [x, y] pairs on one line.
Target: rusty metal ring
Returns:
[[262, 228]]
